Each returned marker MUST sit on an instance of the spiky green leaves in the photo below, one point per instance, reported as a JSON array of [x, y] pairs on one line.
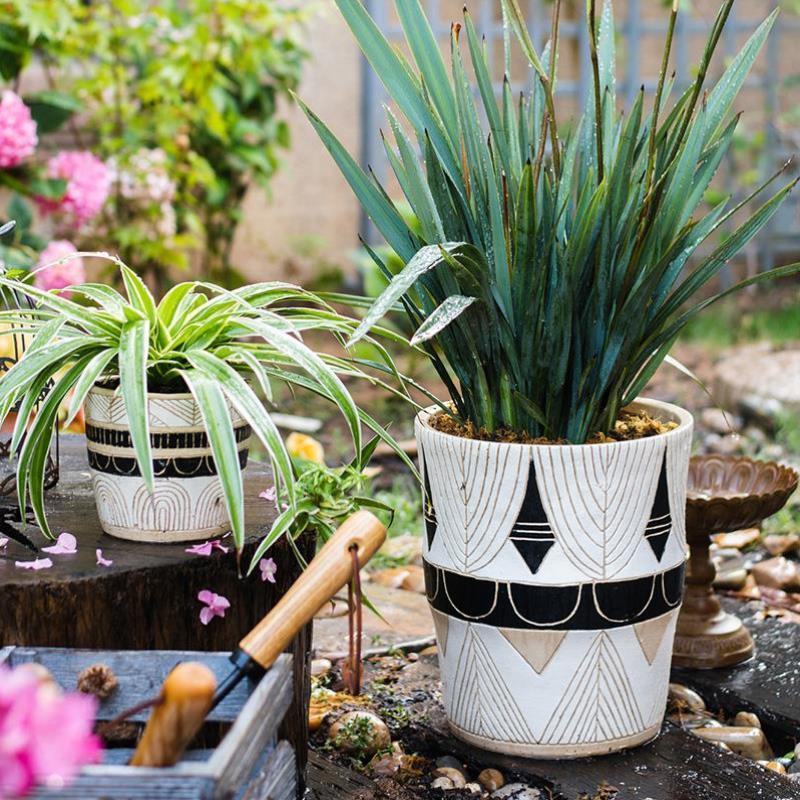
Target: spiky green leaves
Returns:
[[569, 281]]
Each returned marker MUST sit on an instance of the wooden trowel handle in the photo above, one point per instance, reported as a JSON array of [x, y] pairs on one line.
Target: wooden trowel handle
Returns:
[[330, 570]]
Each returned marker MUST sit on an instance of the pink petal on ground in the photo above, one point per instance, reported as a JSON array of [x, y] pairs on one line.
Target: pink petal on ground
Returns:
[[206, 615], [66, 544], [206, 596], [102, 562], [39, 563], [3, 543]]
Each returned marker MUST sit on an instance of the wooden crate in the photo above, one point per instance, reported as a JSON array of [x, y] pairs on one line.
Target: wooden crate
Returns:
[[248, 763]]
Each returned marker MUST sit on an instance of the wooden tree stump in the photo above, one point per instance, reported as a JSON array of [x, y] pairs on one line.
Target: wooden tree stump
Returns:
[[147, 599]]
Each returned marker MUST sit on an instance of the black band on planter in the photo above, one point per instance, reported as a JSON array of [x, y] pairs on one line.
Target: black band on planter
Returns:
[[161, 441], [162, 467], [582, 606]]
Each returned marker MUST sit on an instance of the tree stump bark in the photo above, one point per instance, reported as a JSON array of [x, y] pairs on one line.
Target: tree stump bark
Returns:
[[147, 598]]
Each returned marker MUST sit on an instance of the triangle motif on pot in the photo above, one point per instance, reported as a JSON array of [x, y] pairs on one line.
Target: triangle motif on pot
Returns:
[[481, 701], [442, 624], [536, 647], [651, 633], [428, 511], [598, 703], [660, 524], [532, 535]]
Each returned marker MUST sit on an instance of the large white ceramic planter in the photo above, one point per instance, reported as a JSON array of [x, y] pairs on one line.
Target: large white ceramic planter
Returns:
[[554, 575], [188, 502]]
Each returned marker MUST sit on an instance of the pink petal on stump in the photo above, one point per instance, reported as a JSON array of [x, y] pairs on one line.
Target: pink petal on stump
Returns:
[[66, 544], [39, 563], [216, 605], [268, 569], [269, 494], [102, 562]]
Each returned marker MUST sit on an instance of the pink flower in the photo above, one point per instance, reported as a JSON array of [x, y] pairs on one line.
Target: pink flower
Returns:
[[269, 494], [206, 548], [102, 562], [45, 736], [17, 130], [36, 564], [59, 275], [215, 605], [66, 544], [88, 184], [268, 569]]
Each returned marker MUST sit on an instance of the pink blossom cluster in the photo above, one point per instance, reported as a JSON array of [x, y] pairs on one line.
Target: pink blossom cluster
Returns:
[[45, 736], [62, 273], [88, 184], [17, 130]]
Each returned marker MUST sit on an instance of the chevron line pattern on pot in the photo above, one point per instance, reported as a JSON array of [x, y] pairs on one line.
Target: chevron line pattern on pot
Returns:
[[599, 704], [598, 500], [481, 701], [475, 490]]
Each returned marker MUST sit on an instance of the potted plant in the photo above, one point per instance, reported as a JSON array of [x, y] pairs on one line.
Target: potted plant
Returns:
[[167, 393], [548, 280]]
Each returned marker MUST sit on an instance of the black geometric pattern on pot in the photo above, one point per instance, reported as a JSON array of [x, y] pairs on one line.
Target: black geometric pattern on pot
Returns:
[[161, 441], [162, 467], [532, 535], [428, 511], [582, 606], [660, 524]]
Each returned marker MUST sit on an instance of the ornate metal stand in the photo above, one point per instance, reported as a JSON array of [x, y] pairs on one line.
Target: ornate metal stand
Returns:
[[725, 494]]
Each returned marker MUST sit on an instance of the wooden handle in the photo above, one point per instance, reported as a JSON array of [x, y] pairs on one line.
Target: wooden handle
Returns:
[[185, 700], [330, 570]]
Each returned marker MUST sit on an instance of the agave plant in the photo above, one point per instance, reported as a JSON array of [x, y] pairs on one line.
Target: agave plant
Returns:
[[222, 345], [552, 271]]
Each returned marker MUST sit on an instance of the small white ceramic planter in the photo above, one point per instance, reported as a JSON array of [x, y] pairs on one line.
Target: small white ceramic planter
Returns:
[[554, 575], [188, 502]]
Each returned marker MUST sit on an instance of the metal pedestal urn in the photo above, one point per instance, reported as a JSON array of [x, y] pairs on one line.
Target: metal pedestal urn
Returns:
[[554, 575], [188, 502]]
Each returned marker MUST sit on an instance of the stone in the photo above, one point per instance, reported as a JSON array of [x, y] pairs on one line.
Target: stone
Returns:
[[794, 768], [455, 776], [716, 420], [748, 742], [777, 573], [442, 783], [360, 732], [727, 445], [491, 779], [405, 548], [686, 697], [731, 580], [794, 778], [410, 577], [780, 544], [517, 791], [320, 667], [737, 539], [776, 766], [744, 719], [450, 761], [474, 788]]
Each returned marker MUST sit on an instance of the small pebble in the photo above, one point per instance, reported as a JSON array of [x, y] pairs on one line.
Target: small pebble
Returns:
[[794, 768], [455, 776], [360, 732], [474, 788], [794, 777], [442, 783], [450, 761], [776, 766], [744, 719], [491, 779], [320, 667], [517, 791], [687, 697], [731, 580], [748, 742]]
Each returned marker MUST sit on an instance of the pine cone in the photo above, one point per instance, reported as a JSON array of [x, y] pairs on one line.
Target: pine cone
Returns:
[[98, 680]]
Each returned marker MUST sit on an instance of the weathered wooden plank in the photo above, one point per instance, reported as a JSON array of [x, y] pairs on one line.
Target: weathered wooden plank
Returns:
[[768, 684], [277, 780], [155, 787], [140, 674], [328, 781], [254, 727]]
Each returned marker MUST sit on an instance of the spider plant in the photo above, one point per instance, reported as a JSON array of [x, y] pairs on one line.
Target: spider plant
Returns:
[[551, 273], [222, 345]]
